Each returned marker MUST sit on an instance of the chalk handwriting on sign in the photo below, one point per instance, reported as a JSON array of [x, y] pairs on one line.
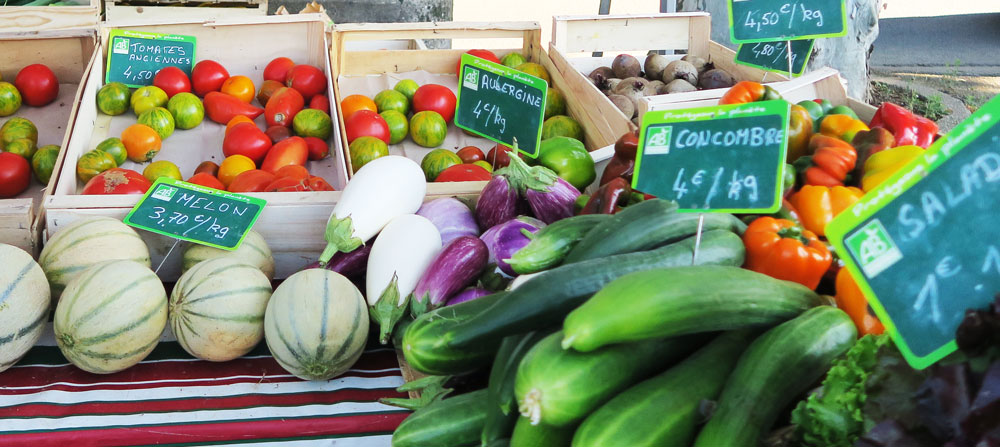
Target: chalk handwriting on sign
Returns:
[[134, 58], [501, 104], [197, 214], [925, 246], [773, 56], [771, 20], [723, 158]]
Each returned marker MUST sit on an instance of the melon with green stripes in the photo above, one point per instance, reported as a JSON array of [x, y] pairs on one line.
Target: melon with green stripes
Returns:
[[253, 250], [316, 324], [85, 243], [24, 304], [111, 316], [217, 308]]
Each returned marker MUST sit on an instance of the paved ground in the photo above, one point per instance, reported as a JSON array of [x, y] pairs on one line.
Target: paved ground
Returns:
[[967, 43]]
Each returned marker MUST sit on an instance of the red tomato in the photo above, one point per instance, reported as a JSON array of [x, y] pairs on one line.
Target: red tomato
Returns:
[[38, 85], [277, 69], [437, 98], [471, 154], [207, 180], [247, 140], [320, 102], [287, 184], [292, 151], [278, 133], [484, 54], [499, 158], [172, 80], [282, 107], [294, 171], [366, 123], [463, 173], [117, 181], [308, 80], [222, 108], [318, 149], [208, 76], [15, 175], [253, 180], [318, 184]]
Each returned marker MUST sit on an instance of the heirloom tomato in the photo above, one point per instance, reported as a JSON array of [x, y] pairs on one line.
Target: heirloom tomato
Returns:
[[44, 162], [10, 99], [208, 76], [471, 154], [232, 166], [313, 123], [248, 140], [366, 123], [428, 128], [294, 171], [320, 102], [93, 163], [307, 79], [319, 184], [187, 110], [437, 98], [278, 133], [282, 107], [161, 168], [484, 54], [207, 180], [15, 175], [114, 98], [221, 108], [239, 87], [117, 181], [142, 143], [318, 149], [277, 69], [254, 180], [354, 103], [38, 85], [172, 80], [289, 152], [267, 88], [147, 98]]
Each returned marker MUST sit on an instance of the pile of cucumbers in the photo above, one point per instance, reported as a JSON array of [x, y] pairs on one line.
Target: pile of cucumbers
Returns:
[[626, 341]]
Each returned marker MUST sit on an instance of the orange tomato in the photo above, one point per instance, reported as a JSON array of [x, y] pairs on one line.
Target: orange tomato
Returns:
[[290, 151], [236, 120], [292, 171], [253, 180], [240, 87], [207, 180], [142, 143], [354, 103], [234, 165]]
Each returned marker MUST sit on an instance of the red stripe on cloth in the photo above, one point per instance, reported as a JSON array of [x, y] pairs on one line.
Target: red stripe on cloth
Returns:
[[221, 432], [196, 404]]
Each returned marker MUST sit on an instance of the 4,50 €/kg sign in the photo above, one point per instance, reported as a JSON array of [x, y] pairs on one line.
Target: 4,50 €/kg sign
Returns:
[[771, 20], [196, 214]]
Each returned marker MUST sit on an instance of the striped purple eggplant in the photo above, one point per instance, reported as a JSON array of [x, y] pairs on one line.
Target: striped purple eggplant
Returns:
[[457, 265]]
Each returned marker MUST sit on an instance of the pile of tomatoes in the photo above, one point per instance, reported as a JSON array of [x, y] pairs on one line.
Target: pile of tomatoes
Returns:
[[37, 86]]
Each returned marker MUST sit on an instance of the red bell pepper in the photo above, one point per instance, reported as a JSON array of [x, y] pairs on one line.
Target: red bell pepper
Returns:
[[622, 164], [905, 126], [609, 198]]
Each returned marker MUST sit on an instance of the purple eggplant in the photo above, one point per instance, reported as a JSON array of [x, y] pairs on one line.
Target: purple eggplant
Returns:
[[451, 217], [504, 239], [457, 265], [352, 264], [498, 203], [468, 295], [551, 198]]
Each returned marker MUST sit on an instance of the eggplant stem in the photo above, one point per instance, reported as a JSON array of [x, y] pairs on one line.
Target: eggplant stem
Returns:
[[340, 237]]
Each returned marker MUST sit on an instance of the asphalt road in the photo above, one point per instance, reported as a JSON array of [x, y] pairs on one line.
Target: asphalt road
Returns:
[[930, 44]]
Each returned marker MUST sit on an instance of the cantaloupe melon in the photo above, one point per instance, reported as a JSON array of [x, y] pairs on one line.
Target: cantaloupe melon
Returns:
[[316, 324], [85, 243], [24, 304], [111, 316], [217, 308], [253, 250]]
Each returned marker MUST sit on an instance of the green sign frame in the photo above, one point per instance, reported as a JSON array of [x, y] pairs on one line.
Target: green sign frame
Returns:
[[119, 52], [507, 85], [745, 55], [176, 209], [858, 231], [775, 15], [715, 166]]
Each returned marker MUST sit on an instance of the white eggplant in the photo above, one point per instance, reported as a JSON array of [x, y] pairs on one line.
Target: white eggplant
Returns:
[[400, 255], [383, 189]]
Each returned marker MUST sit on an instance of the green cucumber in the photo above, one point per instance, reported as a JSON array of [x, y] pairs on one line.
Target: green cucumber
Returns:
[[501, 404], [644, 226], [545, 299], [540, 435], [499, 443], [775, 370], [551, 244], [450, 422], [560, 387], [683, 300], [425, 348], [664, 410]]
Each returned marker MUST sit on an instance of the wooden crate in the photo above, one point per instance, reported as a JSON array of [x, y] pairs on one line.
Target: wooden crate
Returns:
[[68, 53], [160, 11], [45, 18], [292, 223], [381, 67], [575, 38]]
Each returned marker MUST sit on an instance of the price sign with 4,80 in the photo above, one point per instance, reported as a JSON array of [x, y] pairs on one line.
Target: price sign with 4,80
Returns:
[[197, 214]]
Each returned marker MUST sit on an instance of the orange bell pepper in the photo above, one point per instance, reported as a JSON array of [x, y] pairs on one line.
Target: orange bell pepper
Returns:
[[818, 205], [832, 160], [800, 130], [749, 91], [842, 126], [852, 301], [780, 249]]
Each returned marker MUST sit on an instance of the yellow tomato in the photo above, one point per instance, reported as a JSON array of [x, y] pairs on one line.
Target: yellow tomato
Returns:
[[234, 165]]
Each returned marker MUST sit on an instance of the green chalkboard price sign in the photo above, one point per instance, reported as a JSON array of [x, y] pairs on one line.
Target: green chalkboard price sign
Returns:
[[771, 20], [196, 214], [726, 158], [925, 245], [501, 104], [134, 57], [773, 56]]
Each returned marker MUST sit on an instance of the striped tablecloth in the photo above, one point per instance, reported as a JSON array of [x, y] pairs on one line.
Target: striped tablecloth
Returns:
[[172, 398]]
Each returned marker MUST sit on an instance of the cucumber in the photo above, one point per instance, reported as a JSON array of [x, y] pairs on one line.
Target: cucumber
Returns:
[[683, 300], [551, 244], [560, 387], [424, 344], [453, 421], [664, 410], [646, 225], [499, 443], [540, 435], [545, 299], [500, 402], [776, 369]]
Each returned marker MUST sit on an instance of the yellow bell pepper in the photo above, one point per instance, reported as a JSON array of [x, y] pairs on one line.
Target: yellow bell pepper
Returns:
[[841, 126], [818, 205], [881, 165]]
